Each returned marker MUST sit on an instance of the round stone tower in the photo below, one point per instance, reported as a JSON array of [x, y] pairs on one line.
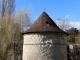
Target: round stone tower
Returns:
[[44, 40]]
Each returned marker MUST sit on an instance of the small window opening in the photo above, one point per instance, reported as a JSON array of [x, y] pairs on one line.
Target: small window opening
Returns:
[[47, 22]]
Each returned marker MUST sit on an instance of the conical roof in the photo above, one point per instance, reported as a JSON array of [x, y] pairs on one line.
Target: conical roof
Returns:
[[44, 24]]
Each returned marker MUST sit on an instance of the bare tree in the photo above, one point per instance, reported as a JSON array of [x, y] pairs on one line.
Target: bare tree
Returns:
[[7, 6], [63, 24], [11, 26], [10, 34]]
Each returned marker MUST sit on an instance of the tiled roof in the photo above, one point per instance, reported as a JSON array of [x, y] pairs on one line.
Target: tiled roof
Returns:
[[44, 24]]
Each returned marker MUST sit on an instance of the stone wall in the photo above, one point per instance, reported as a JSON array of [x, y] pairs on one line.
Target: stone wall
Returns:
[[45, 46]]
